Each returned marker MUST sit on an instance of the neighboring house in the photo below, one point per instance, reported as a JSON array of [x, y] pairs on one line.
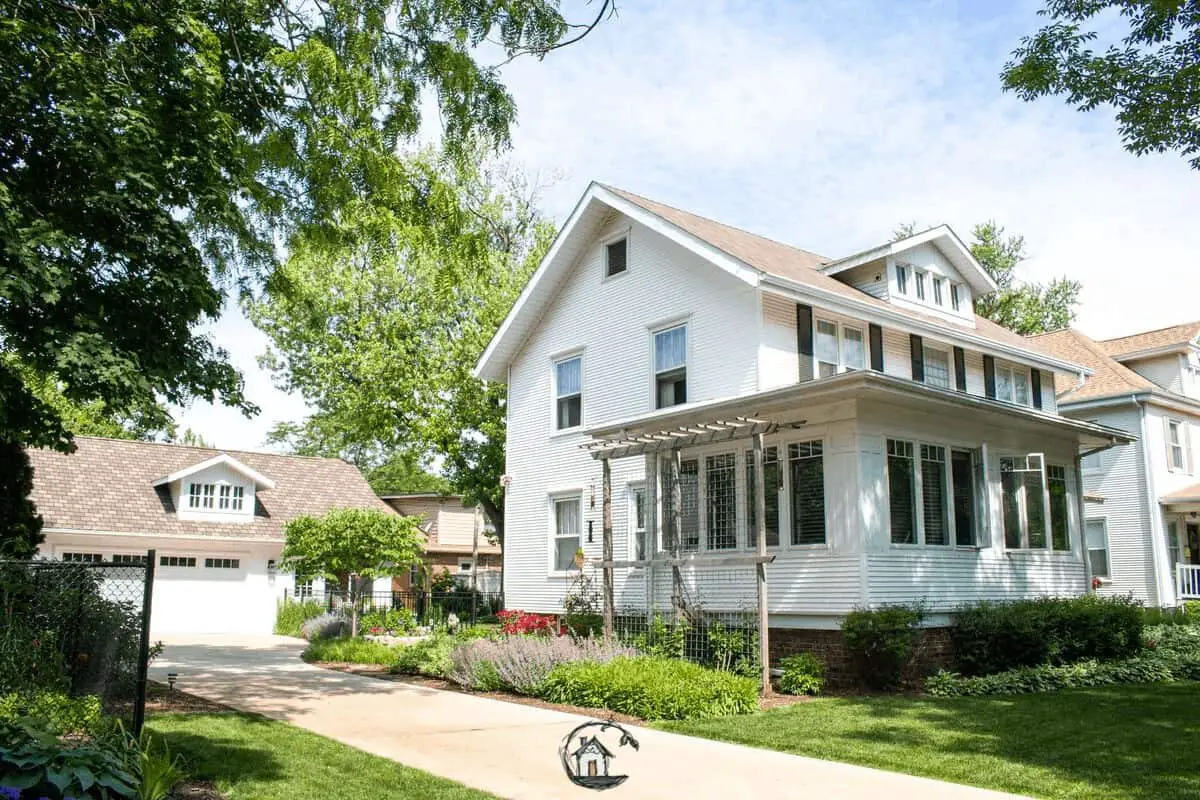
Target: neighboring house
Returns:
[[1143, 509], [457, 540], [214, 517], [913, 450]]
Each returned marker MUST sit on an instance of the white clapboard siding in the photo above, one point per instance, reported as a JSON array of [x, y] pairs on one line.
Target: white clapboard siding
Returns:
[[1166, 371], [945, 580]]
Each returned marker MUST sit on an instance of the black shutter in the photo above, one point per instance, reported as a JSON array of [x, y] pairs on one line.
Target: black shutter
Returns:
[[804, 340], [875, 335], [960, 369], [1035, 383], [989, 376], [918, 357]]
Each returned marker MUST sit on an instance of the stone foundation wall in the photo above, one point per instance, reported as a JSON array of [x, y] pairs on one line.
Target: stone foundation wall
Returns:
[[934, 651]]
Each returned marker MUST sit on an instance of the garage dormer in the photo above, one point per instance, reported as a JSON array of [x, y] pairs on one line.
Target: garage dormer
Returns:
[[932, 272], [220, 489]]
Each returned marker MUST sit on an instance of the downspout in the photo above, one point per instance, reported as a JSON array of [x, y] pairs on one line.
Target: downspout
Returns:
[[1087, 561], [1157, 536]]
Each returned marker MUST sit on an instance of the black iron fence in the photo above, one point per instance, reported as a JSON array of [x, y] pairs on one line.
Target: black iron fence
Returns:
[[413, 608], [77, 629]]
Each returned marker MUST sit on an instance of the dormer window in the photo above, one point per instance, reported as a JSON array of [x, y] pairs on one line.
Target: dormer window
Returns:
[[902, 279], [219, 496], [937, 291], [920, 285], [230, 498], [955, 299], [201, 495]]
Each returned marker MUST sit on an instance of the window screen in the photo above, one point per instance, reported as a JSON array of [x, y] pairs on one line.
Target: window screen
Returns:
[[720, 486], [902, 485], [806, 464], [689, 512]]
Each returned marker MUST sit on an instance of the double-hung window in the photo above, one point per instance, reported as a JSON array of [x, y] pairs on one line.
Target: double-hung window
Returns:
[[931, 494], [1025, 501], [637, 515], [1095, 533], [670, 367], [937, 291], [1056, 486], [920, 276], [568, 393], [854, 348], [806, 465], [826, 348], [902, 491], [838, 348], [937, 367], [1012, 384], [720, 490], [902, 278], [568, 531], [771, 486], [955, 299], [936, 525], [964, 476], [1176, 454]]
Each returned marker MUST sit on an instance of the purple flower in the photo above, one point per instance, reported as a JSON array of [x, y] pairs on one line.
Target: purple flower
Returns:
[[10, 794]]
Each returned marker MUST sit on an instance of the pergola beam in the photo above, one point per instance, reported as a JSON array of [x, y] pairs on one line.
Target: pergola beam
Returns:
[[684, 436]]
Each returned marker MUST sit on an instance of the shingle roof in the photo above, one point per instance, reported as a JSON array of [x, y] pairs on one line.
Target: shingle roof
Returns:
[[1110, 378], [1175, 335], [790, 262], [105, 485], [1190, 494]]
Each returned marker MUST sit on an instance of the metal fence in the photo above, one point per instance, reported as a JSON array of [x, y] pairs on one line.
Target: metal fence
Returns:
[[427, 607], [78, 628]]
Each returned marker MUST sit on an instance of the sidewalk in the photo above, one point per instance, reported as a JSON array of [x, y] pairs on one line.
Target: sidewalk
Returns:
[[508, 749]]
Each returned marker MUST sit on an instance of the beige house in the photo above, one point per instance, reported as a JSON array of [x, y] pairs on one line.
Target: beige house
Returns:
[[458, 539]]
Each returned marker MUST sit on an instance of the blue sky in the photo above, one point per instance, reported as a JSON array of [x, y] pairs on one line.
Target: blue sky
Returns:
[[825, 125]]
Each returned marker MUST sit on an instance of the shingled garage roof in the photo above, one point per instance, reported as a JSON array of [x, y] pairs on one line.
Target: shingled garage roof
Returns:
[[1174, 336], [1110, 378], [106, 486]]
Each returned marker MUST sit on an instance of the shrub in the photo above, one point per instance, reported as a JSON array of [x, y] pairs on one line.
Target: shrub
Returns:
[[36, 761], [665, 638], [62, 713], [996, 637], [351, 651], [521, 663], [802, 674], [1048, 678], [388, 620], [1177, 640], [525, 622], [651, 688], [430, 656], [291, 616], [327, 626], [584, 624], [882, 642]]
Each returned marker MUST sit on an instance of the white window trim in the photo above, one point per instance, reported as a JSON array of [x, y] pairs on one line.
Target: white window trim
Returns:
[[684, 322], [919, 285], [1182, 445], [903, 277], [839, 329], [562, 358], [631, 489], [938, 285], [955, 296], [1087, 551], [552, 500], [625, 233], [1013, 369], [949, 354], [1023, 512], [919, 496]]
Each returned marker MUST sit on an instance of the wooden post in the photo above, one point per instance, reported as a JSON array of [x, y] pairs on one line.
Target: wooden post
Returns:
[[676, 533], [651, 531], [760, 517], [476, 517], [607, 548]]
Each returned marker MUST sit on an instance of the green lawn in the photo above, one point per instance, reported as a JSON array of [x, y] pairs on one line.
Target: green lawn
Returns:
[[252, 758], [1116, 742]]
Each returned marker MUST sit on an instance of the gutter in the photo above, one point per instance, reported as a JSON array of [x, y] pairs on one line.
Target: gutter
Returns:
[[180, 537]]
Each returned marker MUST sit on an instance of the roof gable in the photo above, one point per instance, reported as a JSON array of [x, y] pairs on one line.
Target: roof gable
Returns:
[[1172, 338], [260, 481], [1109, 377], [943, 239]]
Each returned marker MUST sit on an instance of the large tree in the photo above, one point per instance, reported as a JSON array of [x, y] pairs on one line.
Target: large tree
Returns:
[[380, 326], [1026, 307], [153, 152], [1150, 75]]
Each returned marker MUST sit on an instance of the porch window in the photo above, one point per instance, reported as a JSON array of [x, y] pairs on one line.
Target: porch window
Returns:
[[771, 484], [1012, 384], [962, 481], [1176, 458], [902, 491], [938, 299], [937, 367], [1095, 533], [1022, 485], [568, 392], [920, 285], [720, 490], [902, 278], [568, 530], [637, 513], [670, 367], [806, 462], [1056, 484], [933, 494]]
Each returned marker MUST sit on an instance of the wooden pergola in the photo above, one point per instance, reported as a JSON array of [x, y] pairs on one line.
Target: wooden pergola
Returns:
[[671, 441]]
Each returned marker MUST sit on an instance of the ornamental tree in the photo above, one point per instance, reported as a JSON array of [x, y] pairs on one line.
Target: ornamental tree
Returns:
[[353, 542]]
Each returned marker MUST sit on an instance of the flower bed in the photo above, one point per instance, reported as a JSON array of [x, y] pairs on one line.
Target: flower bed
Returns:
[[521, 663]]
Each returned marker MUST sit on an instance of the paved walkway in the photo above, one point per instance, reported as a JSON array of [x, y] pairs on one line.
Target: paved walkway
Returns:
[[505, 748]]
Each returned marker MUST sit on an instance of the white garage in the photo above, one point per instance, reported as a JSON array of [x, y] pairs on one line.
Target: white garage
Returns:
[[214, 520]]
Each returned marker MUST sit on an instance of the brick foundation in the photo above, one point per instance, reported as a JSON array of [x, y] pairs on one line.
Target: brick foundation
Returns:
[[934, 651]]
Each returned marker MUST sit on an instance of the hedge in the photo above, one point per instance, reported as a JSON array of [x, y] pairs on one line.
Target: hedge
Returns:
[[651, 688]]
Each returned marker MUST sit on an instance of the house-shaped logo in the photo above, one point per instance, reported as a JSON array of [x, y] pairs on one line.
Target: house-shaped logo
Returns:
[[587, 760]]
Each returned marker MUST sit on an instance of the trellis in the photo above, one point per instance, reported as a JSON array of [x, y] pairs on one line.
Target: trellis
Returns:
[[670, 442]]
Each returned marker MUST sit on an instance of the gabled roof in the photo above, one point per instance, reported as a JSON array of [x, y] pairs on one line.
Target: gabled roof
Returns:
[[108, 485], [1175, 337], [941, 237], [259, 480], [1109, 377], [746, 256]]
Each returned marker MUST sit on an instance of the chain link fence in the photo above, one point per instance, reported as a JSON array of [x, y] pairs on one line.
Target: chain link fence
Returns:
[[79, 629]]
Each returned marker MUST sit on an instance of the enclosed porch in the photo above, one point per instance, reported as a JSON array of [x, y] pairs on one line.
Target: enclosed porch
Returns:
[[1181, 512]]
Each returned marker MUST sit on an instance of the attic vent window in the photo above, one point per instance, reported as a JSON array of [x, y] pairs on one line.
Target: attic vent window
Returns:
[[616, 257]]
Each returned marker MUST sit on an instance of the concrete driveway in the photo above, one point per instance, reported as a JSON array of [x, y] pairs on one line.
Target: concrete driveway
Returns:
[[508, 749]]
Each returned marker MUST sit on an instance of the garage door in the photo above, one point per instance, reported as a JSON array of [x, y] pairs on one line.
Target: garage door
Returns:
[[211, 594]]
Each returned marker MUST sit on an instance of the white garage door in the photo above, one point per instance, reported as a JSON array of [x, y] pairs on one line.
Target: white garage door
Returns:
[[211, 594]]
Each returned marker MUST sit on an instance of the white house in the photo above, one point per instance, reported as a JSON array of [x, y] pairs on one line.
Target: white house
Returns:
[[1142, 514], [914, 451], [214, 517]]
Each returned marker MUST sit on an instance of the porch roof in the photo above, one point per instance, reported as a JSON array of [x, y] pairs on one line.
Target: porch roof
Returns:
[[1188, 498], [775, 409]]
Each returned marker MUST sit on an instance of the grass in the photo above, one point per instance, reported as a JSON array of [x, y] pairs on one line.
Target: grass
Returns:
[[252, 758], [1137, 742], [352, 651]]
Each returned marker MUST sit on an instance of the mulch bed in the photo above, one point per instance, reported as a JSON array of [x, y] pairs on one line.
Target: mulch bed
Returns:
[[382, 673], [161, 699], [196, 790]]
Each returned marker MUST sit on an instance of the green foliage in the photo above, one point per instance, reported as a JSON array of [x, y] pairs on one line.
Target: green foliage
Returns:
[[732, 649], [442, 581], [882, 642], [995, 637], [389, 620], [651, 688], [401, 473], [1048, 678], [665, 638], [20, 524], [351, 651], [430, 656], [36, 762], [803, 673], [59, 711], [1148, 77], [1020, 306], [1168, 616], [1173, 639], [291, 615]]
